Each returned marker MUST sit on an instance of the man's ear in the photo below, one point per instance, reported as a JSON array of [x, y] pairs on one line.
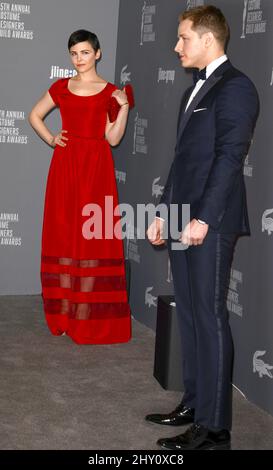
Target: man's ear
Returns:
[[209, 39]]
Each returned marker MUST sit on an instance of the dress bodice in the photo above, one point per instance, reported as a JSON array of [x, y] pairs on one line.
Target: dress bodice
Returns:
[[82, 116]]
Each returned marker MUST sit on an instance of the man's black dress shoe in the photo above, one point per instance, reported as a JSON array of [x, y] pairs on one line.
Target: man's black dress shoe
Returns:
[[179, 417], [197, 437]]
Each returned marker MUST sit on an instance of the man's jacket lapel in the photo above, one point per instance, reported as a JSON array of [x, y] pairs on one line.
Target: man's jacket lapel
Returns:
[[208, 85]]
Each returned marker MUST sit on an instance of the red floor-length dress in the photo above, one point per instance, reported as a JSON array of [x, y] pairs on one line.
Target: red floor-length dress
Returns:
[[83, 280]]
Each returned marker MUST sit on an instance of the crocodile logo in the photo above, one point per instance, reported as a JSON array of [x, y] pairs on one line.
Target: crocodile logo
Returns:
[[260, 366], [124, 75], [150, 299], [157, 189]]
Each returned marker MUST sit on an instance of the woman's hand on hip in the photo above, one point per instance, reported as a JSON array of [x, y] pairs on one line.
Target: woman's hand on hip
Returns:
[[59, 139]]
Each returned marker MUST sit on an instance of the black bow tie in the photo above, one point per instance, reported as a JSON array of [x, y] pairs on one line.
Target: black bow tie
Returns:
[[199, 75]]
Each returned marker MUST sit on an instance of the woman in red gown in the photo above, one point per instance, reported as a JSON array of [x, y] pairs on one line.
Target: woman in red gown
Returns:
[[83, 277]]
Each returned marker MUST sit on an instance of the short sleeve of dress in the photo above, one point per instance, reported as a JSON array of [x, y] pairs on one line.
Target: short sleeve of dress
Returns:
[[54, 92], [114, 107]]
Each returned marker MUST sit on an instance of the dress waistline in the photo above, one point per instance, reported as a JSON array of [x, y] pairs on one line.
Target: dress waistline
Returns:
[[85, 137]]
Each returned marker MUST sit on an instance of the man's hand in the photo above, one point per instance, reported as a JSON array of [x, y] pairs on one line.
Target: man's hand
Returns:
[[155, 232], [194, 233]]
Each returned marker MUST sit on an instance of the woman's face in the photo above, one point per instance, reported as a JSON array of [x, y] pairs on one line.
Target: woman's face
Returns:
[[83, 56]]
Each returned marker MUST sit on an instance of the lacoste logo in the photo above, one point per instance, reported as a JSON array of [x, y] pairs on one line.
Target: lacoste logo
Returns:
[[157, 189], [260, 366], [150, 299]]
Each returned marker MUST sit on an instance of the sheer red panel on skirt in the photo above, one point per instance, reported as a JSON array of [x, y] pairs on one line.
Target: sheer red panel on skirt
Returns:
[[86, 299]]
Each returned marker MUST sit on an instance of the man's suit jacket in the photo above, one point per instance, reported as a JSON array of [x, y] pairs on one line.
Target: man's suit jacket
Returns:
[[213, 139]]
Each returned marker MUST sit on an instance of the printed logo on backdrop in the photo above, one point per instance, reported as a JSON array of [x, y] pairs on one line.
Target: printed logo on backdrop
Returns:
[[132, 248], [194, 3], [166, 76], [6, 231], [12, 24], [10, 131], [140, 125], [169, 276], [267, 222], [150, 299], [125, 76], [248, 166], [233, 299], [262, 368], [58, 72], [157, 189], [120, 176], [147, 33], [253, 21]]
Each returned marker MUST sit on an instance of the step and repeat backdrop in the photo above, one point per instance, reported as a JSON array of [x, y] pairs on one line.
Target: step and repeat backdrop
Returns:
[[145, 58], [33, 38], [33, 41]]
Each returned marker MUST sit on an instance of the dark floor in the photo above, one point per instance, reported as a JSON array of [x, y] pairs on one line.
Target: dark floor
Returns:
[[58, 395]]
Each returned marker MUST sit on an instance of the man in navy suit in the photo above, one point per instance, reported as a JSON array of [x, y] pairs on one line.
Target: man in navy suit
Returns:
[[215, 127]]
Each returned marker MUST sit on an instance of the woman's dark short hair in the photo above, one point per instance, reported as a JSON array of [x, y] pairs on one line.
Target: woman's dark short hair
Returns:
[[82, 35]]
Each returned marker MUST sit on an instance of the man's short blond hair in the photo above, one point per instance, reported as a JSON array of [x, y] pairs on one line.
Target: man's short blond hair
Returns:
[[208, 18]]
